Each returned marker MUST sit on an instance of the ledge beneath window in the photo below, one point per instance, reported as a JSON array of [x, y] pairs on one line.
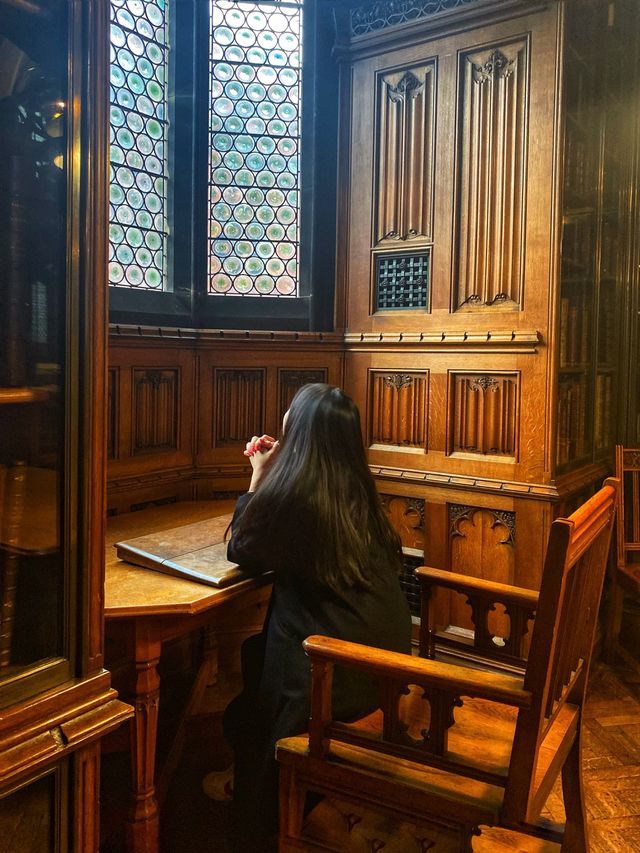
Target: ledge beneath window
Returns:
[[149, 332]]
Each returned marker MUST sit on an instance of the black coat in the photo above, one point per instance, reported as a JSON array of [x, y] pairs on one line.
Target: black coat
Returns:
[[275, 702]]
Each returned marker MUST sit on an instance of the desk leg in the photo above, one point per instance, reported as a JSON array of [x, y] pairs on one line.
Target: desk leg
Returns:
[[142, 831]]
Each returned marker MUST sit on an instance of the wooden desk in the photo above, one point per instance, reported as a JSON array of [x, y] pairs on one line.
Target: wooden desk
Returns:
[[153, 608]]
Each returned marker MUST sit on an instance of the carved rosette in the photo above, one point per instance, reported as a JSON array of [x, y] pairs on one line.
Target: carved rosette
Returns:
[[491, 179], [398, 409]]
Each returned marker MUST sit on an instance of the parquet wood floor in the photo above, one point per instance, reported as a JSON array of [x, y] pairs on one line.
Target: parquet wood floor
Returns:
[[611, 767]]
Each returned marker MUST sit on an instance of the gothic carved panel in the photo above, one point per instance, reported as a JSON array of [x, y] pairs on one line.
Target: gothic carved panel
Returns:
[[490, 191], [290, 381], [404, 156], [482, 544], [238, 405], [407, 517], [484, 417], [398, 410], [112, 412], [155, 410]]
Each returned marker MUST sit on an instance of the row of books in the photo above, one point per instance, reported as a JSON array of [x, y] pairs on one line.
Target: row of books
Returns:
[[571, 442], [603, 411], [575, 329]]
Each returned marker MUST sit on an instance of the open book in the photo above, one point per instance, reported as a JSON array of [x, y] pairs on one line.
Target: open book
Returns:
[[195, 552]]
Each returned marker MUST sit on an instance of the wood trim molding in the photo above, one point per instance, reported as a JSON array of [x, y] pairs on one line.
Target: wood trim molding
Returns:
[[512, 488], [515, 341], [130, 333]]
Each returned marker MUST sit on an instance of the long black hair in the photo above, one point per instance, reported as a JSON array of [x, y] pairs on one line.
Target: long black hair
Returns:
[[317, 505]]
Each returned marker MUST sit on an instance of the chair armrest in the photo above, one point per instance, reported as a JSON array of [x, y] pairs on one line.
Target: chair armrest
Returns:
[[459, 680], [461, 583]]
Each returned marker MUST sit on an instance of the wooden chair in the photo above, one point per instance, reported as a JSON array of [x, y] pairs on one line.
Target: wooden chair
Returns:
[[625, 574], [454, 748]]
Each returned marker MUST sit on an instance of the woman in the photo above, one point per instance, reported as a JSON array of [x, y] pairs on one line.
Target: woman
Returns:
[[313, 517]]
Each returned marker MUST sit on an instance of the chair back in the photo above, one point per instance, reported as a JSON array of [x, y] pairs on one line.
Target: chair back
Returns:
[[628, 507], [562, 640]]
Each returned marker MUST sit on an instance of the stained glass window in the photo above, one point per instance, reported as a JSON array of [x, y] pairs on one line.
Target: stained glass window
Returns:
[[139, 127], [255, 102]]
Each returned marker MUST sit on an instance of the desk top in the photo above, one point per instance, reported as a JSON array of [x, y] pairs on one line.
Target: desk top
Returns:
[[131, 591]]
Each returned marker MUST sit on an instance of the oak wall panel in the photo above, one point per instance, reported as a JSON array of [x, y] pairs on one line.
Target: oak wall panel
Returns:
[[490, 185], [398, 409], [239, 401], [484, 413], [290, 381], [154, 410], [404, 157]]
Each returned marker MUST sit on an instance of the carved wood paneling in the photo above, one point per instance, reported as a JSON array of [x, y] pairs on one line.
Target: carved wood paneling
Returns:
[[238, 405], [482, 544], [404, 157], [155, 410], [485, 413], [407, 517], [398, 410], [112, 411], [290, 381], [491, 177]]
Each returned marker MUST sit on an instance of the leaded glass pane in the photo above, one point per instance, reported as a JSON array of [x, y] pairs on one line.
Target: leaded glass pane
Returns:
[[255, 100], [139, 128]]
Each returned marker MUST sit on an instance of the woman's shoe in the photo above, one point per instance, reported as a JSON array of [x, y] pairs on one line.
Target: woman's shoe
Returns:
[[218, 785]]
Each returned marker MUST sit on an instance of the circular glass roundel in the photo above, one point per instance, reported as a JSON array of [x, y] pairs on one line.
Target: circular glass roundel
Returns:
[[255, 231], [152, 278], [266, 145], [232, 195], [221, 283], [233, 160], [222, 212], [275, 231], [254, 266], [116, 273], [134, 237], [255, 126], [255, 196], [264, 250], [232, 265], [232, 230], [266, 179], [223, 71], [243, 284], [244, 249], [285, 285], [264, 284], [244, 178]]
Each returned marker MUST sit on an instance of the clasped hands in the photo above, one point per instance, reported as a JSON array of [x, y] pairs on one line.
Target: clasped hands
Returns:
[[261, 450]]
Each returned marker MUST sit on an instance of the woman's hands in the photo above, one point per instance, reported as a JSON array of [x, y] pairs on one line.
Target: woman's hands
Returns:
[[261, 451]]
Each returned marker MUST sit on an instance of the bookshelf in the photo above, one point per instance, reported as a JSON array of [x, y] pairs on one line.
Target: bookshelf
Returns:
[[595, 150]]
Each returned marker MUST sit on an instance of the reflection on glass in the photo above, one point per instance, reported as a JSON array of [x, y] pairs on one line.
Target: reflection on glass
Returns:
[[27, 818], [33, 151], [254, 131]]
